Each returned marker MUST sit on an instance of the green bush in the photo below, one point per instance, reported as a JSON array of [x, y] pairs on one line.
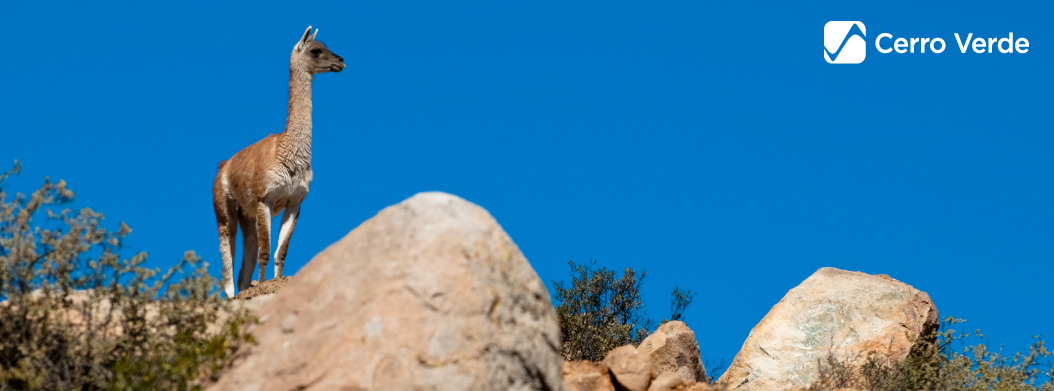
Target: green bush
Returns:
[[936, 364], [74, 316], [600, 311]]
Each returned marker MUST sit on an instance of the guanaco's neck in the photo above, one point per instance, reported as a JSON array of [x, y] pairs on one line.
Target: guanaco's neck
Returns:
[[294, 145]]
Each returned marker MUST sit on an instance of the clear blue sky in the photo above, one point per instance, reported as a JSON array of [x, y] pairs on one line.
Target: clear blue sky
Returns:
[[698, 140]]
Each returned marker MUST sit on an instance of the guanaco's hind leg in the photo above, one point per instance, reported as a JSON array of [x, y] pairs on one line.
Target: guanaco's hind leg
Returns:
[[226, 220], [292, 211], [250, 249], [263, 234]]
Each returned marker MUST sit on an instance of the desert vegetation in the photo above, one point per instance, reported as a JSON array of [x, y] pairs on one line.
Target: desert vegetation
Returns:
[[600, 311], [76, 316], [79, 315], [952, 359]]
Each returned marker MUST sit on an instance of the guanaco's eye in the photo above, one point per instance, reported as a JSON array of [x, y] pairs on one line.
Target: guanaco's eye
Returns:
[[316, 52]]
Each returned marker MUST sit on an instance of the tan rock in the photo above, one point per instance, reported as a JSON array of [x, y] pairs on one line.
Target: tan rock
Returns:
[[85, 305], [673, 348], [428, 294], [700, 386], [96, 306], [667, 381], [834, 312], [587, 376], [631, 368], [268, 287], [254, 304]]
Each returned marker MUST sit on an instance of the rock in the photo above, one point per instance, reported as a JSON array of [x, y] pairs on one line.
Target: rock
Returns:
[[85, 305], [428, 294], [672, 348], [268, 287], [587, 376], [631, 368], [701, 386], [834, 312], [667, 381], [255, 303]]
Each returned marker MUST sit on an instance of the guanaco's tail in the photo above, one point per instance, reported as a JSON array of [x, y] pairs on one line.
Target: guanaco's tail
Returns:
[[221, 165]]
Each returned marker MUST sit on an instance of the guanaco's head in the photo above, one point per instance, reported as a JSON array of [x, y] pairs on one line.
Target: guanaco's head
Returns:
[[313, 56]]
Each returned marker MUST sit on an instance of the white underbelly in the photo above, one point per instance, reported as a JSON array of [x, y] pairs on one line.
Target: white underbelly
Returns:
[[282, 192]]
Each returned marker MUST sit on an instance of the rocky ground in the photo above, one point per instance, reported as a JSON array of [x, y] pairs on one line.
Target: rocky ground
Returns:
[[432, 294], [268, 287]]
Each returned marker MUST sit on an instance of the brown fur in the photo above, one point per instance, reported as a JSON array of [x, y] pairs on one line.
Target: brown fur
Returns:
[[271, 175]]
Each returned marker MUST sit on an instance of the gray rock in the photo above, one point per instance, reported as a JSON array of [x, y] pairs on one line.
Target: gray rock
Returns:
[[849, 315], [429, 294]]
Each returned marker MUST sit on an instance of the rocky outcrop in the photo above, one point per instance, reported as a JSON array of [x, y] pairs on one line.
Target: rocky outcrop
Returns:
[[672, 348], [665, 360], [268, 287], [632, 369], [587, 376], [255, 303], [429, 294], [667, 381], [698, 387], [834, 312]]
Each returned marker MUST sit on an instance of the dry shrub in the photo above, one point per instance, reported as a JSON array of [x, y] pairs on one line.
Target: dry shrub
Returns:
[[601, 311], [75, 316], [936, 364]]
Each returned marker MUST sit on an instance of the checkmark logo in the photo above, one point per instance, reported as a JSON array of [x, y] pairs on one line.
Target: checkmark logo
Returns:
[[843, 42]]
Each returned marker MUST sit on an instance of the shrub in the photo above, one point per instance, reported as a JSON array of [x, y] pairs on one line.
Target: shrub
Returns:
[[935, 364], [77, 317], [600, 311]]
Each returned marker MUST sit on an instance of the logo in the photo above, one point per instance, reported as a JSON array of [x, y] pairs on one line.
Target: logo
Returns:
[[843, 42]]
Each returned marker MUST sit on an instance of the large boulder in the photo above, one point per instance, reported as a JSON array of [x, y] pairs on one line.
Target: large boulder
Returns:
[[429, 294], [849, 315], [673, 348]]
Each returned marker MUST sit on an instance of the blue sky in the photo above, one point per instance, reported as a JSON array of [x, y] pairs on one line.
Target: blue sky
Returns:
[[697, 140]]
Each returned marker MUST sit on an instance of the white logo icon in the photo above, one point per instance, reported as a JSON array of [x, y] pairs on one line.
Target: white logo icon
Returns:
[[843, 42]]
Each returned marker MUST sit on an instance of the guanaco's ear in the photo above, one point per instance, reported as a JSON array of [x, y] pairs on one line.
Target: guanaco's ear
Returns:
[[313, 35], [303, 40]]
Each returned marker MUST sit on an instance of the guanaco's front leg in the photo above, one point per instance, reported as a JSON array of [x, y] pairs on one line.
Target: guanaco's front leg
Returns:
[[288, 223]]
